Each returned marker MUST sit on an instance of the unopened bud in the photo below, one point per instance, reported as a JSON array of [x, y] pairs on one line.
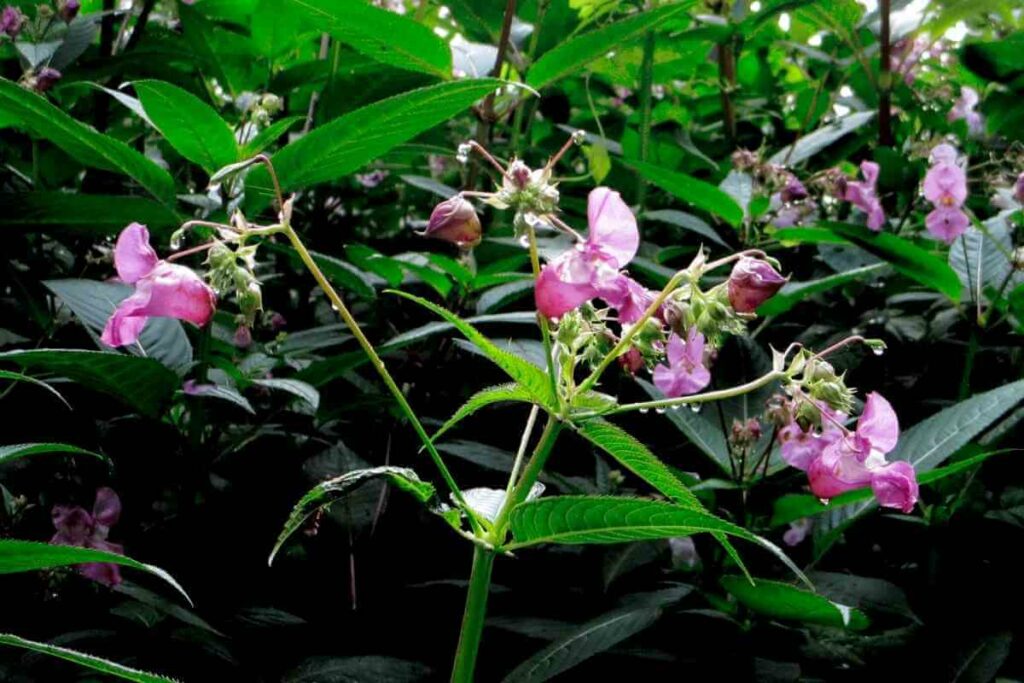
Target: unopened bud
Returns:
[[793, 191], [69, 10], [243, 337], [11, 21], [751, 283], [454, 220], [744, 159], [520, 174], [46, 78], [632, 361]]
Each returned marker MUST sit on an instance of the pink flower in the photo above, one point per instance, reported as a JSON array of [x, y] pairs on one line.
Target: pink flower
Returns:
[[858, 459], [751, 283], [945, 186], [591, 269], [685, 373], [862, 195], [11, 21], [946, 223], [454, 220], [797, 531], [78, 528], [963, 108], [800, 447], [906, 54], [162, 290]]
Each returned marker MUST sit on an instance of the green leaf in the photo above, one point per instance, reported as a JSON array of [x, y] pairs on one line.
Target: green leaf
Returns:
[[18, 377], [582, 643], [269, 135], [598, 161], [326, 493], [783, 601], [981, 661], [485, 397], [694, 192], [21, 450], [93, 214], [529, 376], [794, 292], [351, 141], [687, 222], [981, 259], [222, 392], [904, 256], [189, 125], [27, 556], [142, 383], [81, 142], [87, 661], [576, 520], [384, 36], [302, 390], [353, 669], [815, 141], [638, 459], [570, 56], [930, 442], [93, 302]]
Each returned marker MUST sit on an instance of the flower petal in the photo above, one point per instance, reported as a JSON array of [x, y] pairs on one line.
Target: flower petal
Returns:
[[107, 508], [946, 223], [878, 423], [895, 486], [555, 298], [134, 258], [612, 226], [177, 292]]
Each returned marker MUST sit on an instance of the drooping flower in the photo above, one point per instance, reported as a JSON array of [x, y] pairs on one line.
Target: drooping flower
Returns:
[[963, 108], [162, 289], [857, 459], [751, 283], [685, 373], [800, 447], [945, 186], [454, 220], [862, 195], [77, 527], [946, 223], [591, 268], [793, 190], [11, 21]]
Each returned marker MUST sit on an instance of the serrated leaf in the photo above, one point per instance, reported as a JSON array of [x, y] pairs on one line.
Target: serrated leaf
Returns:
[[325, 493], [94, 214], [571, 55], [18, 377], [27, 556], [82, 143], [694, 192], [269, 135], [13, 452], [352, 669], [103, 666], [189, 125], [142, 383], [783, 601], [529, 376], [978, 258], [483, 398], [582, 643]]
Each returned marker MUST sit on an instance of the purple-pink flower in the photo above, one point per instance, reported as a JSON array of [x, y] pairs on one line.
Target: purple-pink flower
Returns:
[[162, 290], [800, 447], [685, 373], [11, 21], [857, 459], [591, 268], [862, 194], [963, 108], [945, 186], [751, 283], [798, 531], [77, 527]]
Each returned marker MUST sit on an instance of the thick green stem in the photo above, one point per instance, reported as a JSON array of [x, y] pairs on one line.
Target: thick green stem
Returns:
[[378, 365], [530, 475], [473, 616]]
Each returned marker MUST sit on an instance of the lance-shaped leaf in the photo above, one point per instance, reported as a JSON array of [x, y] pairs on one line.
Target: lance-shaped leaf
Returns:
[[27, 556], [18, 377], [783, 601], [93, 214], [693, 191], [326, 493], [23, 450], [814, 142], [527, 375], [483, 398], [103, 666]]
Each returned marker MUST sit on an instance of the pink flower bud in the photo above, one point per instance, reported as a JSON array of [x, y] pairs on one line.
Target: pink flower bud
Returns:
[[11, 21], [69, 10], [46, 78], [454, 220], [243, 337], [751, 283]]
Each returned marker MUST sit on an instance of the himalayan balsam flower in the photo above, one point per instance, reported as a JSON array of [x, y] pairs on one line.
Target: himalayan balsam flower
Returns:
[[591, 269], [454, 220], [76, 527], [862, 195], [800, 447], [945, 186], [963, 108], [69, 10], [857, 459], [685, 373], [751, 283], [162, 289], [11, 21]]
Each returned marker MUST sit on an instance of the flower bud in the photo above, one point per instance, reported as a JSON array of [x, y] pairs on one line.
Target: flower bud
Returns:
[[632, 361], [11, 21], [46, 78], [793, 191], [454, 220], [744, 159], [751, 283], [243, 337], [69, 10]]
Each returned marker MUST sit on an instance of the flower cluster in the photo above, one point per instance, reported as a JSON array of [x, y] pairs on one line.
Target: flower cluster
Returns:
[[162, 289], [863, 194], [945, 186], [77, 527], [789, 199]]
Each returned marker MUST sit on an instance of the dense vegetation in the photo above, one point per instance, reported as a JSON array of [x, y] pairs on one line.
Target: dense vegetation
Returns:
[[398, 340]]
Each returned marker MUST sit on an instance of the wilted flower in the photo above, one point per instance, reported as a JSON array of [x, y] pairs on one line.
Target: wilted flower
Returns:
[[454, 220], [162, 289], [862, 195], [963, 108], [591, 268], [945, 186], [11, 21], [76, 527], [793, 191], [685, 373], [45, 79], [751, 283], [857, 459]]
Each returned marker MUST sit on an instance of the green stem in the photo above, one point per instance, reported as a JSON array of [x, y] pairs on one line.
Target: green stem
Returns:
[[707, 396], [545, 329], [972, 351], [646, 83], [473, 616], [530, 475], [378, 365]]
